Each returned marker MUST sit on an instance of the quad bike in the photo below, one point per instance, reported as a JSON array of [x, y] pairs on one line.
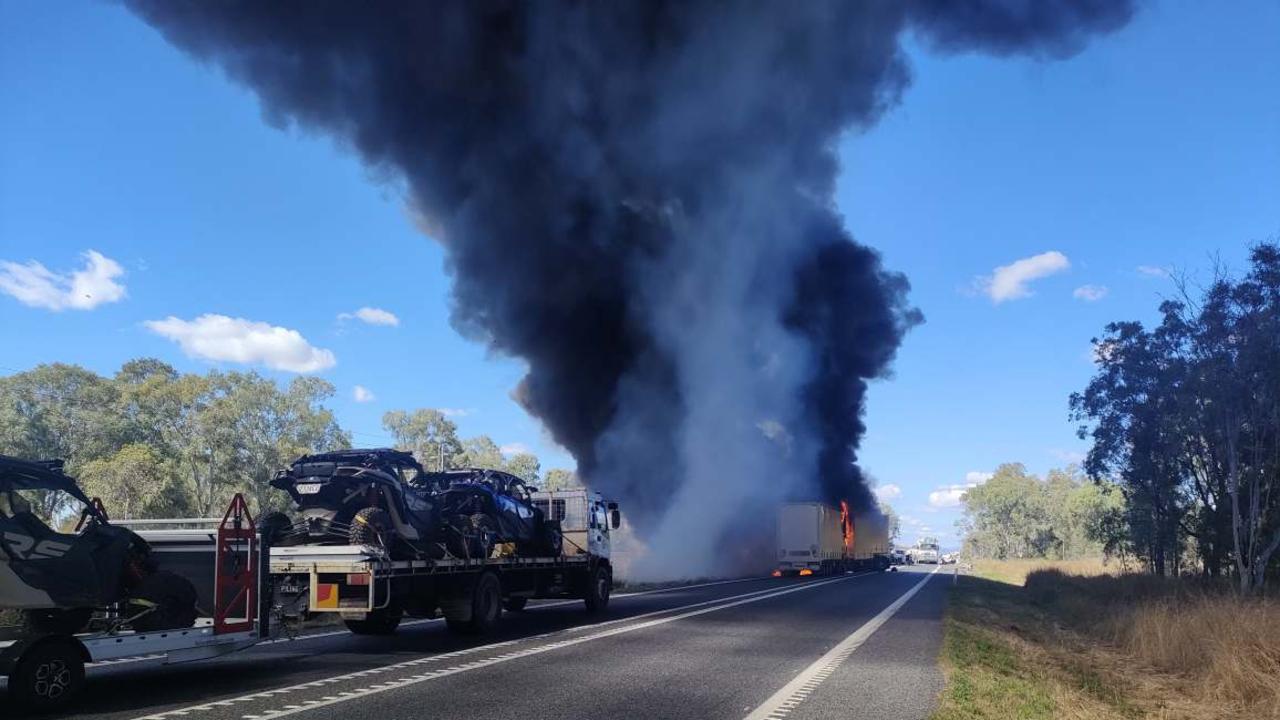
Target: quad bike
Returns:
[[59, 580], [486, 508], [359, 497]]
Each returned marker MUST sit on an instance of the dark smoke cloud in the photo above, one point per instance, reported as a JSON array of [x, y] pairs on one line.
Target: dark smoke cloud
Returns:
[[636, 199]]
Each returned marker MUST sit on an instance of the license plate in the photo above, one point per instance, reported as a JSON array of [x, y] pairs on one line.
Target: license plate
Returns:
[[307, 488]]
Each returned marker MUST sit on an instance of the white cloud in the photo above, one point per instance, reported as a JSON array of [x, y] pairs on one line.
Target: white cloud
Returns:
[[1153, 271], [514, 448], [37, 286], [1009, 282], [455, 412], [362, 394], [1090, 293], [221, 338], [949, 496], [372, 316], [977, 477], [887, 492]]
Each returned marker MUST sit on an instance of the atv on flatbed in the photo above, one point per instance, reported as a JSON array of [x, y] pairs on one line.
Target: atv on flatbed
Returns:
[[58, 580]]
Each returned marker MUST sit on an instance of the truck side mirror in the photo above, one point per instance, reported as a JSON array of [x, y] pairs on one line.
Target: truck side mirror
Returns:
[[615, 518]]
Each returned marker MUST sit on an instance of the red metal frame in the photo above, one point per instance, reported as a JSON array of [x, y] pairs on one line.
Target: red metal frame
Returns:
[[235, 571], [85, 514]]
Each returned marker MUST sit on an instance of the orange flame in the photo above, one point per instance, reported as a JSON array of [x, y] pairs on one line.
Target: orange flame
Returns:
[[846, 523]]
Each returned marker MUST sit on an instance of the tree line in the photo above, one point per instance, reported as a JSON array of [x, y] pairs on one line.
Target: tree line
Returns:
[[1185, 418], [153, 442], [1064, 515]]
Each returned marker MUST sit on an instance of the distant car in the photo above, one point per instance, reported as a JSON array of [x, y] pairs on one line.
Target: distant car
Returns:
[[58, 580], [497, 508], [377, 497]]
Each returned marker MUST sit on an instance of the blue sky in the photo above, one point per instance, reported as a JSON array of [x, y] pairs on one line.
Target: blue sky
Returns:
[[1158, 147]]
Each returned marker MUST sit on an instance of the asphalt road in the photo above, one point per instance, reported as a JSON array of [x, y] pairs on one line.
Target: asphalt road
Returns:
[[854, 646]]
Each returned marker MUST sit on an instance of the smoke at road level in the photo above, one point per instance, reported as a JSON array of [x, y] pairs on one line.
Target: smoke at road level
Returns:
[[636, 199]]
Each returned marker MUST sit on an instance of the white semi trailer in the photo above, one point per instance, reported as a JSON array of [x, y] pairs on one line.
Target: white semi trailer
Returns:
[[820, 539]]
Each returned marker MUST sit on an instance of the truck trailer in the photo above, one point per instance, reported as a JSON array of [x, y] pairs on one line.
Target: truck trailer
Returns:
[[820, 539]]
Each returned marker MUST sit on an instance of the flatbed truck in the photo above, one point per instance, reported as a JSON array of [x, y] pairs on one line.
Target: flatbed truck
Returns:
[[372, 592]]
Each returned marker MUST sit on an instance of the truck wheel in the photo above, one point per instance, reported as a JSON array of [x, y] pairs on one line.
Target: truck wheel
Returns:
[[48, 676], [480, 612], [371, 526], [273, 526], [171, 598], [599, 585], [516, 603], [56, 622], [383, 621]]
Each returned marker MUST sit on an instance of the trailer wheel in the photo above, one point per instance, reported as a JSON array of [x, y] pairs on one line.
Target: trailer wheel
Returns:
[[599, 585], [516, 603], [48, 677], [478, 613], [382, 621]]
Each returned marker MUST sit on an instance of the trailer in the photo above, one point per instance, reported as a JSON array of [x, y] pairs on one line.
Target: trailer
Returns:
[[372, 592], [815, 538], [46, 672]]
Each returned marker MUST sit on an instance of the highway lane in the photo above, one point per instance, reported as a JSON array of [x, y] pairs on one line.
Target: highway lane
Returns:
[[127, 690], [715, 651]]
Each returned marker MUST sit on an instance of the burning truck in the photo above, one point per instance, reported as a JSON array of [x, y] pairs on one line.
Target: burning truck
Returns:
[[820, 539]]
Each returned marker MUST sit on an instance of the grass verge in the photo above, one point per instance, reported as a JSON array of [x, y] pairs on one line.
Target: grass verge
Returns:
[[1028, 641]]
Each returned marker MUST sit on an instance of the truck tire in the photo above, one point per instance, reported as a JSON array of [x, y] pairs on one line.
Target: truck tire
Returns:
[[171, 599], [479, 611], [273, 526], [371, 526], [599, 586], [516, 603], [382, 621], [48, 677]]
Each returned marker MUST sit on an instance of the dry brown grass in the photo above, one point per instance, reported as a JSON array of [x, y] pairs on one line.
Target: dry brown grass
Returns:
[[1220, 653]]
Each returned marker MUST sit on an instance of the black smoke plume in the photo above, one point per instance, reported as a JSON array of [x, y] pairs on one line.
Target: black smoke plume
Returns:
[[636, 199]]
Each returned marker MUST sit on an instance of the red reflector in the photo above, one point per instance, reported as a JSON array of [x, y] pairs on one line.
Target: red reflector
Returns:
[[777, 573], [358, 578]]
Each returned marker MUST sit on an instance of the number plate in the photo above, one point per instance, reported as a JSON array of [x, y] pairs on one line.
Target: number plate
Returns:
[[307, 488]]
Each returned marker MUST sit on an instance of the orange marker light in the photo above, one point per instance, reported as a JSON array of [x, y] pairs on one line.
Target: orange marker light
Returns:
[[805, 571]]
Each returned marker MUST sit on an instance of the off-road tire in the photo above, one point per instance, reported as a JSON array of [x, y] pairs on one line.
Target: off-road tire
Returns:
[[48, 677], [383, 621], [174, 598], [599, 586], [479, 612], [371, 526], [272, 526], [56, 621], [515, 603], [483, 534]]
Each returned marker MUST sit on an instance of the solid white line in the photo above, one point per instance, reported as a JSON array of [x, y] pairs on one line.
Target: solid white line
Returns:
[[716, 605], [793, 693]]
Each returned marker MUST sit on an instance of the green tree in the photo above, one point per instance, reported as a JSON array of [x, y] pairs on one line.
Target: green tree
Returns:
[[480, 452], [427, 433], [136, 482], [561, 479], [524, 466]]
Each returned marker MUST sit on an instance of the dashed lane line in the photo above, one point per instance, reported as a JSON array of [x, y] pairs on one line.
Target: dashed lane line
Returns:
[[298, 706], [783, 702]]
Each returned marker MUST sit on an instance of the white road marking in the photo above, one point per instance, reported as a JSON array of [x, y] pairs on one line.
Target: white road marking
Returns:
[[781, 703], [716, 605], [409, 623]]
